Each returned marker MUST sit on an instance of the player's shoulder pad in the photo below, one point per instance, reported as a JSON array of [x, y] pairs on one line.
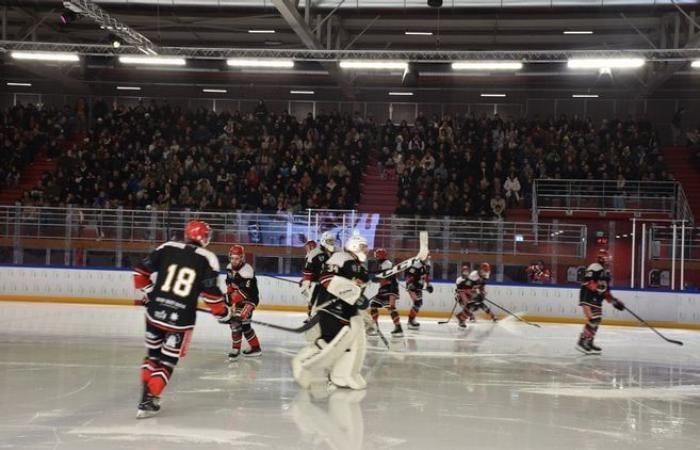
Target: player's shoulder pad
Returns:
[[460, 280], [474, 275], [210, 257], [339, 258], [247, 271], [417, 263], [595, 267], [386, 264], [313, 253], [173, 244]]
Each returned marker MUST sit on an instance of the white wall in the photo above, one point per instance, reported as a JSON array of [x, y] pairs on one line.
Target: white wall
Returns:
[[111, 285]]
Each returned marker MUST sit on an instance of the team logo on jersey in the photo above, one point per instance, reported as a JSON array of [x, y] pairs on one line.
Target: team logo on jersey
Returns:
[[174, 316], [160, 315], [172, 341]]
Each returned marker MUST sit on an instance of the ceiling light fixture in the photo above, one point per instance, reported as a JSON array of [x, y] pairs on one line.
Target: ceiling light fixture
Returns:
[[576, 32], [585, 95], [418, 33], [302, 92], [261, 31], [605, 63], [10, 83], [153, 60], [487, 65], [493, 95], [407, 94], [128, 88], [374, 65], [46, 56], [215, 91], [268, 63]]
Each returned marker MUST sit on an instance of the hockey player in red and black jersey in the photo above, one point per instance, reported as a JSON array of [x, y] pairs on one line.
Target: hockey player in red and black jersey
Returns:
[[595, 288], [184, 273], [339, 352], [387, 296], [471, 292], [417, 279], [243, 297], [536, 273], [462, 294], [316, 258]]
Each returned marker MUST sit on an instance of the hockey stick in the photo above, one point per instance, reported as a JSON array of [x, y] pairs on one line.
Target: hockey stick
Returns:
[[451, 314], [406, 264], [514, 315], [672, 341]]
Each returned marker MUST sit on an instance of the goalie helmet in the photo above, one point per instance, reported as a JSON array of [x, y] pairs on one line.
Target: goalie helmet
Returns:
[[236, 254], [328, 241], [357, 245], [381, 254], [485, 270], [198, 232]]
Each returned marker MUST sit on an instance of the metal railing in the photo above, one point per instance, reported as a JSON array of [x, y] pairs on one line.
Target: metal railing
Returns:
[[661, 242], [292, 230], [633, 197]]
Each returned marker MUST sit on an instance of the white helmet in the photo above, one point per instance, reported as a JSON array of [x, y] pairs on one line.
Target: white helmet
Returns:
[[357, 245], [327, 241]]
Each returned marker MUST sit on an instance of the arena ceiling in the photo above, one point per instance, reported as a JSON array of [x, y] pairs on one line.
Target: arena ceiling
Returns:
[[666, 32]]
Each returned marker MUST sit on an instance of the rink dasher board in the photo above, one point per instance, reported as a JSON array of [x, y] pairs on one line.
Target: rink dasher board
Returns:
[[536, 303]]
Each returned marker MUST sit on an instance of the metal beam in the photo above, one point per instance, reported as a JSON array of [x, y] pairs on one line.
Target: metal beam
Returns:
[[4, 23]]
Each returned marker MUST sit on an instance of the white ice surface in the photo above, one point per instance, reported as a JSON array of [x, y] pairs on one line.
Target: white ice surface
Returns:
[[69, 380]]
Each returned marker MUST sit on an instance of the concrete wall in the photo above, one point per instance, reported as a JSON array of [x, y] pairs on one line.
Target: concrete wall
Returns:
[[545, 303]]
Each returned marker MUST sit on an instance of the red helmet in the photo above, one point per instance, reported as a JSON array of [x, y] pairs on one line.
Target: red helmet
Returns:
[[485, 270], [238, 252], [381, 253], [198, 232], [310, 245]]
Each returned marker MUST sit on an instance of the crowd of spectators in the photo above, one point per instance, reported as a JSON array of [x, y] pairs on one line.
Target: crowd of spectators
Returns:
[[480, 166], [163, 157], [159, 156]]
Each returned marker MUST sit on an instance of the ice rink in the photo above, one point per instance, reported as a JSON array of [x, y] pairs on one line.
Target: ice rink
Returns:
[[69, 379]]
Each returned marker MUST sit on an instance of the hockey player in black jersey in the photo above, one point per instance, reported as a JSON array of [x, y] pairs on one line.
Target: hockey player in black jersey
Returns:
[[387, 296], [339, 352], [417, 279], [184, 273], [462, 294], [243, 297], [595, 288], [472, 293], [316, 258]]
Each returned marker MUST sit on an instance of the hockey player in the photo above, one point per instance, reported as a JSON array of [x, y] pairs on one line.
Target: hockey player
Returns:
[[475, 291], [243, 297], [595, 288], [462, 292], [387, 296], [536, 273], [185, 271], [316, 258], [341, 347], [417, 278]]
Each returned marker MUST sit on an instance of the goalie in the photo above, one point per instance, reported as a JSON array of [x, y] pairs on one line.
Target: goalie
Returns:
[[339, 352]]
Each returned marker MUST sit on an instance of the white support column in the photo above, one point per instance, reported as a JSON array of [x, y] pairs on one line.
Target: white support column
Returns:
[[673, 259], [634, 244], [682, 284], [642, 275]]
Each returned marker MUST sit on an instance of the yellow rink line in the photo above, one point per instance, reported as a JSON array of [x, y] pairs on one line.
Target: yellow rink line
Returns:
[[302, 308]]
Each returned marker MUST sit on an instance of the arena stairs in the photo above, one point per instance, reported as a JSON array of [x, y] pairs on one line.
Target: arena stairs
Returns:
[[29, 178], [686, 172], [378, 195]]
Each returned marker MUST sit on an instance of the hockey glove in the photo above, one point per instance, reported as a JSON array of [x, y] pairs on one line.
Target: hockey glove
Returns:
[[618, 305], [429, 288], [226, 318]]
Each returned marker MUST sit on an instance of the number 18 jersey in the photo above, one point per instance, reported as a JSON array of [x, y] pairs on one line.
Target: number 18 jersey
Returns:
[[184, 273]]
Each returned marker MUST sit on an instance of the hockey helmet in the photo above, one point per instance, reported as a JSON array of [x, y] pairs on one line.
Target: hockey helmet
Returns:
[[381, 253], [328, 241], [603, 256], [310, 245], [357, 245], [485, 270], [236, 254], [198, 232], [465, 269]]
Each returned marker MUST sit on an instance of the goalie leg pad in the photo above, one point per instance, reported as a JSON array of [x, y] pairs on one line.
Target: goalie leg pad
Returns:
[[312, 361], [346, 370], [344, 289]]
